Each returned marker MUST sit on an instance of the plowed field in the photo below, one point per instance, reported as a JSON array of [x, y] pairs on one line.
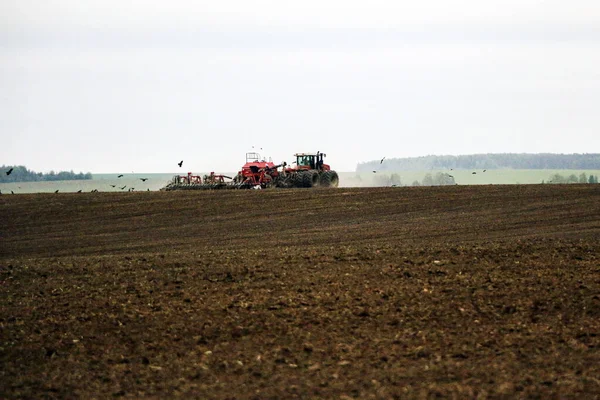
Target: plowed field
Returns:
[[463, 291]]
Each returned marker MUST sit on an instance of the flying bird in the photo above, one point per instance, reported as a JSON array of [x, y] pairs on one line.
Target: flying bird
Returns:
[[484, 170], [143, 179], [180, 163], [381, 162], [120, 176], [123, 187], [56, 191], [79, 191], [374, 172], [450, 176], [473, 172], [9, 171], [113, 185]]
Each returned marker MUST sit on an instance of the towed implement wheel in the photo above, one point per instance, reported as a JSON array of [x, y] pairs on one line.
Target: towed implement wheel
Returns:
[[268, 181]]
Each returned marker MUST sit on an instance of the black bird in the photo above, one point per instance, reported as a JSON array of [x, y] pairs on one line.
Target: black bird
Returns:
[[113, 185], [56, 191], [484, 170], [381, 162], [180, 163], [131, 189], [450, 176], [143, 179], [374, 172], [11, 192], [123, 187], [120, 176], [79, 191], [9, 171], [473, 173]]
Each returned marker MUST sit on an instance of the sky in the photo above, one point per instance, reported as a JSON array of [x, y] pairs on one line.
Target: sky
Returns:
[[139, 85]]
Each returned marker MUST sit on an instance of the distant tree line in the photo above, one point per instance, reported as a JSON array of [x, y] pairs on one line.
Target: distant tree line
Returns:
[[486, 161], [21, 174], [582, 178], [439, 179], [387, 180], [394, 179]]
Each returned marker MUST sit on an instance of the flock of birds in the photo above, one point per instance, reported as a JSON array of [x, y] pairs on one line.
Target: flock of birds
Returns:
[[96, 190]]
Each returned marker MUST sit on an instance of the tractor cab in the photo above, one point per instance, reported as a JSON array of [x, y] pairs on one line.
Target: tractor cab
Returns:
[[311, 161]]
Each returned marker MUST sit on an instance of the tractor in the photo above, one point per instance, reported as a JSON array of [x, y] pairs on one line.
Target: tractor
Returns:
[[311, 171]]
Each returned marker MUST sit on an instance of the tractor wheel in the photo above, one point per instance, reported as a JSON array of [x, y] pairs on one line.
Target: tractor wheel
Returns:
[[335, 179], [316, 178], [298, 179], [310, 179], [325, 179]]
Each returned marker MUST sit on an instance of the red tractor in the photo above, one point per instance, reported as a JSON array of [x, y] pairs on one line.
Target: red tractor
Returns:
[[311, 171]]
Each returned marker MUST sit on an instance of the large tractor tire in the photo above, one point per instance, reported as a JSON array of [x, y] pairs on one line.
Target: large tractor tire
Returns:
[[298, 179], [325, 179], [335, 179], [310, 179]]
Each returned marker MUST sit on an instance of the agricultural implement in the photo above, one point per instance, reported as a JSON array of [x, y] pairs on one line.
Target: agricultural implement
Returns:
[[309, 171]]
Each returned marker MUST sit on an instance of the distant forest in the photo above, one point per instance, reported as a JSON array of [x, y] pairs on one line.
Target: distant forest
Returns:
[[21, 174], [485, 161]]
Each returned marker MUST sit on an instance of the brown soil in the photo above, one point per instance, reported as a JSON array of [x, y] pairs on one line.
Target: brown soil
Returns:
[[474, 291]]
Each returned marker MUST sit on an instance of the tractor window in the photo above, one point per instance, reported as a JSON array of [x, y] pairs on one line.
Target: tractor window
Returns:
[[303, 160], [306, 161]]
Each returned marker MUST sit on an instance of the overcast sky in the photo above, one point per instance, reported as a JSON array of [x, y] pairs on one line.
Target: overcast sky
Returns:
[[138, 85]]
